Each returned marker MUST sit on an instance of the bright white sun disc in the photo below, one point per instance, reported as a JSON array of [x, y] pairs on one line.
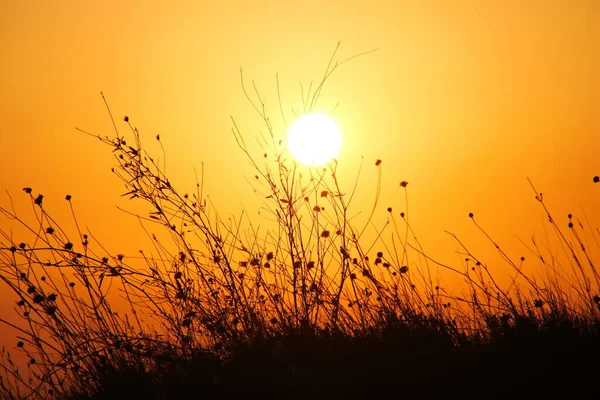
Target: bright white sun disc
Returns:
[[314, 139]]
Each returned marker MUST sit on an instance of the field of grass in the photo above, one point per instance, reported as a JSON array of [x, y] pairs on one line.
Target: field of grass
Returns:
[[309, 308]]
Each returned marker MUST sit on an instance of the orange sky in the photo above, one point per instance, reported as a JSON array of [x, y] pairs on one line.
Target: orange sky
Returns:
[[465, 100]]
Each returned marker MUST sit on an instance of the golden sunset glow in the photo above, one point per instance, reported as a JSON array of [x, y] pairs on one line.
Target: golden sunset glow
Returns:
[[455, 122], [314, 139]]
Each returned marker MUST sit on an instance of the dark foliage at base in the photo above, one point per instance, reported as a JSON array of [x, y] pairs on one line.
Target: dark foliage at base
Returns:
[[398, 361]]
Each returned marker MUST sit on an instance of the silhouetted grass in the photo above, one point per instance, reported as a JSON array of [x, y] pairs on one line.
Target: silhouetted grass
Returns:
[[308, 308]]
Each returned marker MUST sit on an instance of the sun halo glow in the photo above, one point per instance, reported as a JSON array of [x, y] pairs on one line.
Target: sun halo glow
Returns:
[[314, 139]]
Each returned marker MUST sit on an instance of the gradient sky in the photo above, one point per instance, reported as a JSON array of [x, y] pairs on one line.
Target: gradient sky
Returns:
[[464, 100]]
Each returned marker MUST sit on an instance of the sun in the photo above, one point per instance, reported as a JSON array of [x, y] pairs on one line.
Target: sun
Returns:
[[314, 139]]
